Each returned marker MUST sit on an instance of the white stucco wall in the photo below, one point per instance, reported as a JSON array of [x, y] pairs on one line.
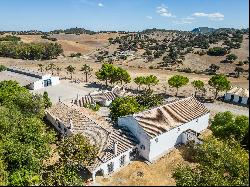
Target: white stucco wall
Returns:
[[40, 83], [53, 121], [244, 100], [227, 96], [55, 81], [168, 140], [236, 98], [116, 162], [138, 132]]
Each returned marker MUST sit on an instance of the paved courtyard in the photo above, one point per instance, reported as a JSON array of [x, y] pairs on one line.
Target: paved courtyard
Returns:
[[66, 91]]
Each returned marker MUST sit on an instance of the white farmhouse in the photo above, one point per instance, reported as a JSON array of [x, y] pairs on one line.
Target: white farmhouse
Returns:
[[160, 129], [30, 79], [237, 95], [117, 147]]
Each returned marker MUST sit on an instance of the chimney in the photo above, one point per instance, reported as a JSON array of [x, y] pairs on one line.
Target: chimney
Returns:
[[115, 147]]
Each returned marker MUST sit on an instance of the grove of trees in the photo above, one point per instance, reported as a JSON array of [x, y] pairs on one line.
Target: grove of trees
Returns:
[[25, 143], [30, 51]]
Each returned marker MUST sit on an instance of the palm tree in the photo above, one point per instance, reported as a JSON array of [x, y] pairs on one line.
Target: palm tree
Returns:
[[58, 69], [70, 69], [87, 71], [41, 67], [51, 67]]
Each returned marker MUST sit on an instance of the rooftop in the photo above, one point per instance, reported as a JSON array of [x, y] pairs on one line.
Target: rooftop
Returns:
[[23, 80], [242, 92], [161, 119], [99, 134], [27, 72]]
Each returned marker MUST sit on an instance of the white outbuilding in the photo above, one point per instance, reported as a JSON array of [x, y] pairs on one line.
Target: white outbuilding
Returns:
[[117, 147], [160, 129], [237, 95], [30, 79]]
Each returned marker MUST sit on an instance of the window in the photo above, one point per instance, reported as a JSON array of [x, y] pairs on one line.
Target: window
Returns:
[[110, 167], [122, 160], [65, 130], [179, 129], [197, 120], [156, 140], [142, 147], [232, 98]]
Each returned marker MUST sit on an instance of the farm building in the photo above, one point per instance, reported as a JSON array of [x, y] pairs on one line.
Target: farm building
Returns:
[[104, 98], [149, 134], [237, 95], [117, 147], [160, 129], [30, 79]]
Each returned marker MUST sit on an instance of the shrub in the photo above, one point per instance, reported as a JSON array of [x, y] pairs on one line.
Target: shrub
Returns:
[[217, 51]]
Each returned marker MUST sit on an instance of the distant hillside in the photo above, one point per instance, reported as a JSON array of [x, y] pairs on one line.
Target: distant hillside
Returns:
[[76, 30], [203, 30]]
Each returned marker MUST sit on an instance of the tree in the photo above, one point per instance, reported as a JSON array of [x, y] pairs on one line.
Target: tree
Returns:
[[41, 67], [123, 106], [61, 174], [120, 75], [219, 163], [87, 71], [219, 83], [238, 70], [24, 145], [151, 80], [76, 150], [105, 73], [213, 68], [139, 81], [231, 57], [147, 99], [2, 68], [58, 70], [178, 81], [70, 69], [198, 85], [47, 102], [51, 67], [226, 126], [217, 51]]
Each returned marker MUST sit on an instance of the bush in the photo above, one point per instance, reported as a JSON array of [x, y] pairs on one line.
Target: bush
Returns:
[[94, 107], [217, 51], [151, 67], [2, 68]]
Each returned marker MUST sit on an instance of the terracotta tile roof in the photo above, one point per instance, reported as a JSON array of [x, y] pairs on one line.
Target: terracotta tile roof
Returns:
[[99, 134], [161, 119]]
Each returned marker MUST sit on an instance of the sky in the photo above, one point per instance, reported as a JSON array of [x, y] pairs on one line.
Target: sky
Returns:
[[125, 15]]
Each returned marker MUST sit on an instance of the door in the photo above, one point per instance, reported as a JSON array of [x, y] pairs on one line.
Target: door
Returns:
[[240, 100], [47, 82], [232, 98]]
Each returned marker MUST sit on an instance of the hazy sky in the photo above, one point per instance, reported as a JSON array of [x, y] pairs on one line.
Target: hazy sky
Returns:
[[128, 15]]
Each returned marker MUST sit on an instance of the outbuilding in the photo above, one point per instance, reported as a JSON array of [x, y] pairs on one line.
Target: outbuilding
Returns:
[[160, 129], [237, 95], [30, 79]]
